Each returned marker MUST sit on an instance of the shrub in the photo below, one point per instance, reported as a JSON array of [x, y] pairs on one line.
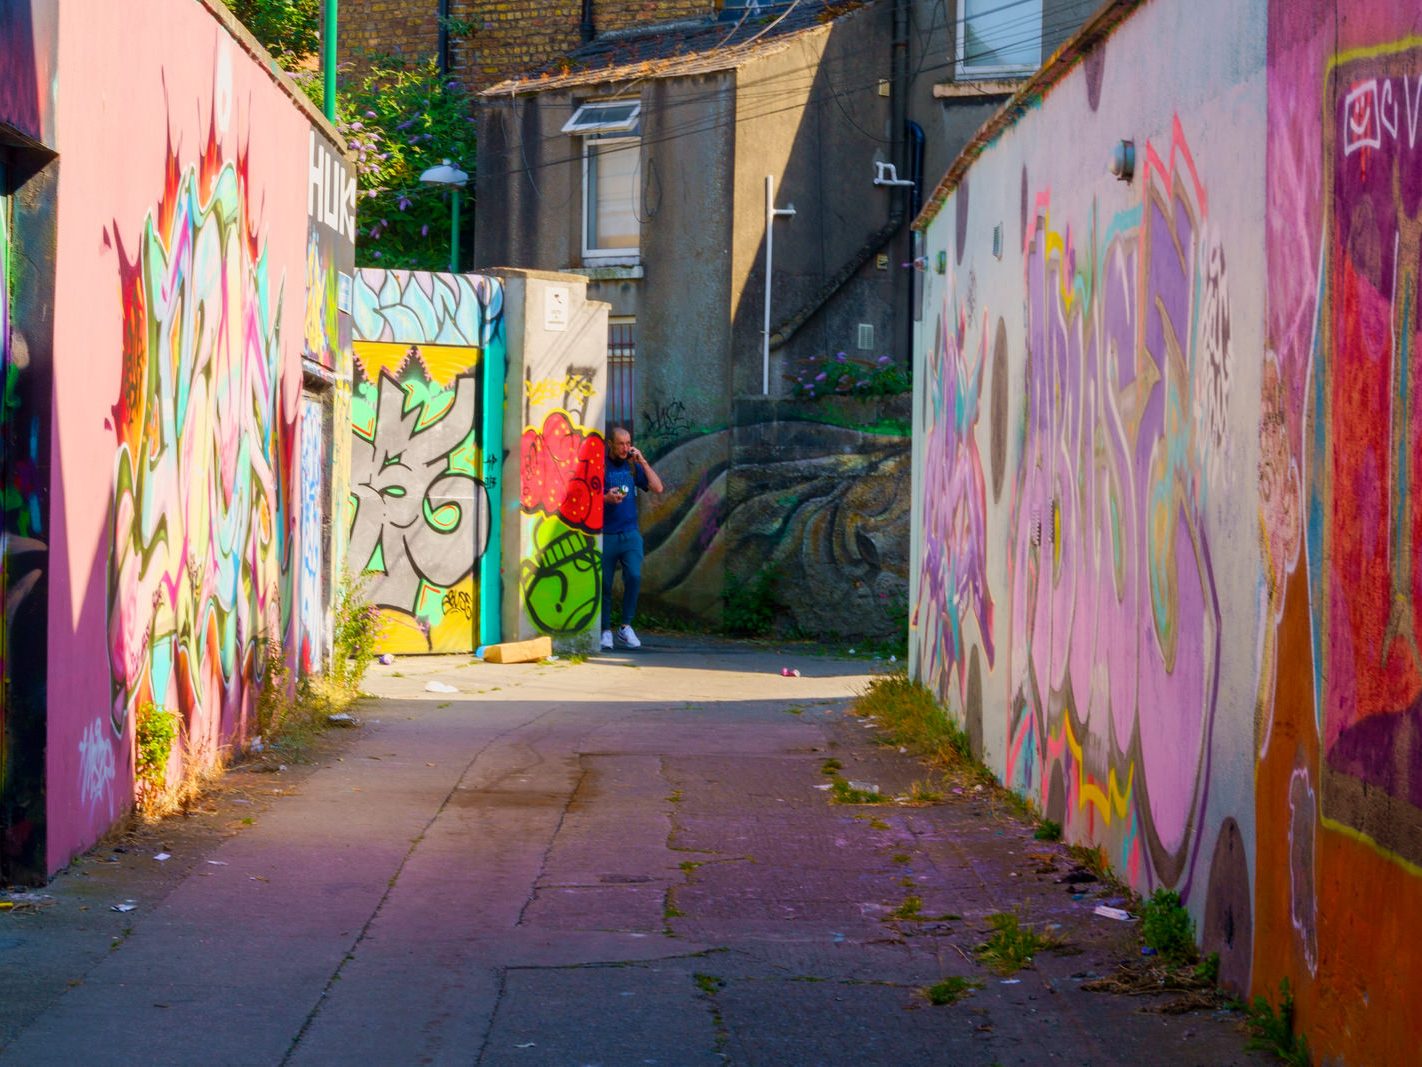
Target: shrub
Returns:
[[843, 376], [356, 632], [750, 604], [1167, 927], [155, 730]]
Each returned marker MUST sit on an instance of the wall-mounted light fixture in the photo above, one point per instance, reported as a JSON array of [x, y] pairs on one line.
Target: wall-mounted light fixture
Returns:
[[1123, 160]]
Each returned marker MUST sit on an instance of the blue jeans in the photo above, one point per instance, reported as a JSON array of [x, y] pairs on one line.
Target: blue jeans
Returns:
[[625, 548]]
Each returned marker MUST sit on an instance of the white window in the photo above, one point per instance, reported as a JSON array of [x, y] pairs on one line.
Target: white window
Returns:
[[999, 37], [612, 178]]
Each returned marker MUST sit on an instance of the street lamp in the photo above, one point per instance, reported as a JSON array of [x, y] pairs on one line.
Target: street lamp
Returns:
[[448, 174]]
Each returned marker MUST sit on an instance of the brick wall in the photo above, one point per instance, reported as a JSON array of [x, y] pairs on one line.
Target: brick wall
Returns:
[[407, 27], [506, 37], [512, 36]]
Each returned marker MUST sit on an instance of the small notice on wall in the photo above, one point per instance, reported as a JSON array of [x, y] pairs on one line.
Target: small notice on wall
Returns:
[[555, 307]]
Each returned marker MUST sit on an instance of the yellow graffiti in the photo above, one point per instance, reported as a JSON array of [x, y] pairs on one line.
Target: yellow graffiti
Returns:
[[547, 390], [1104, 801], [442, 363]]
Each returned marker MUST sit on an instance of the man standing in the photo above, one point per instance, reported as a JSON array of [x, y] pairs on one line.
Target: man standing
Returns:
[[627, 471]]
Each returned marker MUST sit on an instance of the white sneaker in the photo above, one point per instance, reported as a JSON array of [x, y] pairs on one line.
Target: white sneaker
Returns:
[[607, 640], [628, 637]]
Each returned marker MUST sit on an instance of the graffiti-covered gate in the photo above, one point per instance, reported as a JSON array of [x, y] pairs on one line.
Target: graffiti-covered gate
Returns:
[[421, 517]]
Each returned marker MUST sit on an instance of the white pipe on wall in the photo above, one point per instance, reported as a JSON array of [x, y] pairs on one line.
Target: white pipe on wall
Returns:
[[771, 211]]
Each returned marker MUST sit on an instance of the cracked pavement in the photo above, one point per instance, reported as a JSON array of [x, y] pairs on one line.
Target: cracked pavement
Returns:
[[630, 860]]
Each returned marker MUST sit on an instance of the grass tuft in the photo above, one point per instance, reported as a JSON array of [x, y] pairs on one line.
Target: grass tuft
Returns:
[[1274, 1031], [1011, 945], [909, 716], [950, 990]]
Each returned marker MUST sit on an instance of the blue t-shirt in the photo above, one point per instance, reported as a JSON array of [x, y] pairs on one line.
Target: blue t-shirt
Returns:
[[621, 517]]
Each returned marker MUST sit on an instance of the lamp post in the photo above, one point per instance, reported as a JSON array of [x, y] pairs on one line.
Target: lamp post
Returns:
[[448, 174]]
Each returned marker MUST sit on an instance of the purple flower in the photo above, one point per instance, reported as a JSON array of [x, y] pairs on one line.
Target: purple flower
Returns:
[[403, 203], [840, 357], [406, 124], [884, 359], [378, 254], [425, 230], [821, 376], [370, 114]]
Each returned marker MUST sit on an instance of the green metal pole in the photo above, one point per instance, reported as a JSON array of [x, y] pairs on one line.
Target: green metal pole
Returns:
[[454, 231], [328, 59]]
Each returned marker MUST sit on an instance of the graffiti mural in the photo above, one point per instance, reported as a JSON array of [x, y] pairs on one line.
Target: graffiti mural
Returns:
[[310, 536], [1363, 538], [562, 581], [1114, 612], [1339, 711], [827, 506], [420, 509], [203, 510], [561, 465], [561, 472], [952, 588]]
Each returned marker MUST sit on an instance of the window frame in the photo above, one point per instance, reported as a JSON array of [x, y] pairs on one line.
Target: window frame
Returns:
[[615, 256], [584, 121], [964, 71]]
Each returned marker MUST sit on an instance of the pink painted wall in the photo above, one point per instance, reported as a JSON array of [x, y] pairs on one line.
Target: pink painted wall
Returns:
[[180, 317]]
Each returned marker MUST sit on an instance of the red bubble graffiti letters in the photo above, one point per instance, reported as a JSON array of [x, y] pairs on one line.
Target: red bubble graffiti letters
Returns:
[[562, 471]]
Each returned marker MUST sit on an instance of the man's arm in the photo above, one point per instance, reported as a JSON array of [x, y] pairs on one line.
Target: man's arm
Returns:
[[654, 483]]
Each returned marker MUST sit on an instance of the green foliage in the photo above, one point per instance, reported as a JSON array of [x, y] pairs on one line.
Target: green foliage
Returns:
[[950, 990], [841, 792], [401, 118], [909, 716], [1011, 945], [843, 376], [1167, 927], [1274, 1031], [909, 909], [355, 634], [155, 730], [288, 29], [750, 604], [1047, 830]]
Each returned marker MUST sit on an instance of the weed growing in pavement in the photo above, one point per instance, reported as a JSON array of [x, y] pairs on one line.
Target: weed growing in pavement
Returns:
[[901, 857], [921, 793], [1011, 945], [878, 824], [709, 984], [155, 730], [1168, 928], [909, 909], [831, 765], [749, 605], [1092, 858], [910, 717], [841, 792], [1047, 830], [951, 990], [357, 629], [688, 866], [674, 797], [1275, 1031]]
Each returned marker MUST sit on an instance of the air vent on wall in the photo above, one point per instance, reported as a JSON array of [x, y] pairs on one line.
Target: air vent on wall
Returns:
[[866, 337]]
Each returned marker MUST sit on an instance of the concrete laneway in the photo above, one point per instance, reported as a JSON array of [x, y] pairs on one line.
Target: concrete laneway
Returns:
[[623, 861]]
